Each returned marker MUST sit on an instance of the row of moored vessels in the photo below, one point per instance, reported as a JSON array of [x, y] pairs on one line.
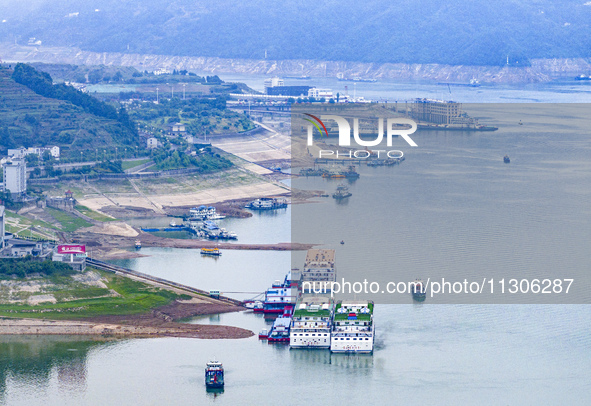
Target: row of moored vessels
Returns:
[[310, 320], [201, 222]]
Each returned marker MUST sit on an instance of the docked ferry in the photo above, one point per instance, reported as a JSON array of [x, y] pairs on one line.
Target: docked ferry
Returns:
[[211, 230], [281, 294], [267, 203], [279, 332], [204, 213], [311, 322], [353, 327]]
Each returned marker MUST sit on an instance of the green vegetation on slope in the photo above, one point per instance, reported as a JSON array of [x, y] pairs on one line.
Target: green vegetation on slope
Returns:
[[28, 119], [42, 84], [208, 161], [23, 267], [200, 115], [95, 215], [68, 222], [75, 299]]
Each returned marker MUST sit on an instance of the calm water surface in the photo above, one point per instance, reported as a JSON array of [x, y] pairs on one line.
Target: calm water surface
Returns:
[[435, 355]]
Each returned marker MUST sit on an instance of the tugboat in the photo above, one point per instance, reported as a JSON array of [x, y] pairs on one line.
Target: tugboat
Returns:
[[263, 334], [418, 291], [342, 192], [138, 244], [214, 375], [506, 159]]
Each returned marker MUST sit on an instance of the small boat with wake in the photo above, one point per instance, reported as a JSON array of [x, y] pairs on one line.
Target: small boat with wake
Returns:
[[418, 290], [342, 192], [214, 375], [214, 252]]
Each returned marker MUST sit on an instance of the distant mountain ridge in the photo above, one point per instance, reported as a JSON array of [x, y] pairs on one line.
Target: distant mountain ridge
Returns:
[[454, 32], [541, 70]]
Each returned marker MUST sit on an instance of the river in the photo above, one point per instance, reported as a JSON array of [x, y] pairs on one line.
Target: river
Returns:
[[446, 354]]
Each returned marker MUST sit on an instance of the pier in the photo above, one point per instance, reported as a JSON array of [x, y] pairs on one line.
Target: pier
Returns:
[[118, 270]]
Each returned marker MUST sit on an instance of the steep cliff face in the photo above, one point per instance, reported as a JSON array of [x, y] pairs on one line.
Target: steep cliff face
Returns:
[[541, 70]]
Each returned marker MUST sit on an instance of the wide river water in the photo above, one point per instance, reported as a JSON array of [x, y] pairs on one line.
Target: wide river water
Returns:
[[446, 354]]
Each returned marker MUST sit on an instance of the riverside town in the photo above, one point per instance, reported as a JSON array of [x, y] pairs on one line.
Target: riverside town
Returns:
[[335, 202]]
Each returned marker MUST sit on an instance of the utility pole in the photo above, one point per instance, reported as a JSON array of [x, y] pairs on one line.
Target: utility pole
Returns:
[[156, 95], [184, 84]]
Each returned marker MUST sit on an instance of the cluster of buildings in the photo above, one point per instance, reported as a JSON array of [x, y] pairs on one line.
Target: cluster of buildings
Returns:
[[14, 168], [39, 151], [173, 130], [276, 87], [10, 247]]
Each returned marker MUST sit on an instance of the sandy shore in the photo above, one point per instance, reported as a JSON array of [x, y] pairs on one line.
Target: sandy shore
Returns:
[[105, 247], [157, 323], [156, 202]]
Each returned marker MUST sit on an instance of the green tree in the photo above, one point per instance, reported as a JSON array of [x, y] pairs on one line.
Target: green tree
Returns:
[[32, 159], [47, 157]]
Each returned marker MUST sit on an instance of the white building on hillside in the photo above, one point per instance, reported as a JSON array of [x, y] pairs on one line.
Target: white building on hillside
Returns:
[[23, 152], [15, 177], [152, 143], [162, 71]]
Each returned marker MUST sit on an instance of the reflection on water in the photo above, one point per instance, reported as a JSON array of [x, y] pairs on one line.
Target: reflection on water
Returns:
[[352, 360], [213, 393], [31, 362]]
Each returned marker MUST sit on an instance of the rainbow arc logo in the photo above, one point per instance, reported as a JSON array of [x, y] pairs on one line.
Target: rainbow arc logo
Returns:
[[315, 123]]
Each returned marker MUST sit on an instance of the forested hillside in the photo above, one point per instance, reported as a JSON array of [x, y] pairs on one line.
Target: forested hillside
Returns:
[[458, 32], [35, 112]]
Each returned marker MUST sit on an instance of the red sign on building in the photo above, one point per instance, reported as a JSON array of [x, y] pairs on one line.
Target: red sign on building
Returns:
[[71, 249]]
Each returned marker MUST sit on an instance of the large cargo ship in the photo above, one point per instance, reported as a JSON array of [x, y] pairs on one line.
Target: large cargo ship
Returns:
[[311, 322], [353, 327]]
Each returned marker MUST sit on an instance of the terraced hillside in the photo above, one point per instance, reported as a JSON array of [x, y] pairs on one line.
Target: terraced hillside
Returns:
[[28, 119]]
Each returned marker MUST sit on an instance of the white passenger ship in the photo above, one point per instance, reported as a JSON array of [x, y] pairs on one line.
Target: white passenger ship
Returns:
[[311, 322], [353, 327]]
